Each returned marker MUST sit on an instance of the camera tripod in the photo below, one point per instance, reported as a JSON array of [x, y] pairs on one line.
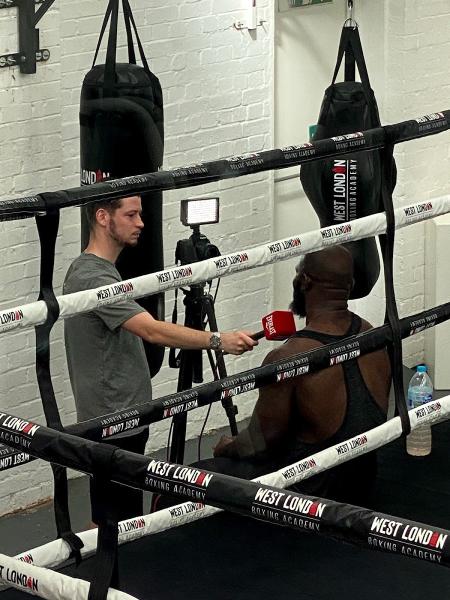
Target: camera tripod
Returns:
[[199, 311]]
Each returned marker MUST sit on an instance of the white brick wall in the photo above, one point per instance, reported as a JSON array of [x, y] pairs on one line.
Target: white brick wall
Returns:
[[407, 50], [217, 84], [217, 91], [417, 83], [415, 51]]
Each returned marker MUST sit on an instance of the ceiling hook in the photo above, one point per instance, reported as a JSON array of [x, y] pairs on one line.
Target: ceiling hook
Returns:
[[350, 13]]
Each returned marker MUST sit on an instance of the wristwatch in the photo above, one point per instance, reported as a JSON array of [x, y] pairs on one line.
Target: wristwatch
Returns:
[[215, 341]]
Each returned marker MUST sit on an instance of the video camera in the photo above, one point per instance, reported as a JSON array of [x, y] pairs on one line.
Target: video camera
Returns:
[[196, 212]]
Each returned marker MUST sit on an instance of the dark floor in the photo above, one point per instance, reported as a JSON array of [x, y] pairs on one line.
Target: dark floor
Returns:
[[227, 557], [30, 528]]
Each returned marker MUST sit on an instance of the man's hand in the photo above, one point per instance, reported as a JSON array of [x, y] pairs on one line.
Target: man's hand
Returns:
[[237, 342], [223, 446]]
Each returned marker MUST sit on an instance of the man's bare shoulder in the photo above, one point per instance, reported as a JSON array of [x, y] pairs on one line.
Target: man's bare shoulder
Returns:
[[294, 345]]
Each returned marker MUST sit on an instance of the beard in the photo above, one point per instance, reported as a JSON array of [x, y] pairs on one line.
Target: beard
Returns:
[[121, 240], [298, 304]]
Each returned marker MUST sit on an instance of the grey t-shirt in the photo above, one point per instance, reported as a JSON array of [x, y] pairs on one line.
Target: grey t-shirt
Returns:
[[108, 368]]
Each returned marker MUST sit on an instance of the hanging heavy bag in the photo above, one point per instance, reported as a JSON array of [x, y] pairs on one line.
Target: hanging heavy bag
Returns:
[[122, 134], [349, 187]]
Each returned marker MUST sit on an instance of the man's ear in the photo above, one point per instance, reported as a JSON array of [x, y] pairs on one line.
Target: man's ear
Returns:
[[101, 216]]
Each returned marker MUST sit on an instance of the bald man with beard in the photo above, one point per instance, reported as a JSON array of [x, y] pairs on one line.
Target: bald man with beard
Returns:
[[301, 416]]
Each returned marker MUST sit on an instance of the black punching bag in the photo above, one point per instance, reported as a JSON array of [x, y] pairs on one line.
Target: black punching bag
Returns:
[[122, 133], [349, 187]]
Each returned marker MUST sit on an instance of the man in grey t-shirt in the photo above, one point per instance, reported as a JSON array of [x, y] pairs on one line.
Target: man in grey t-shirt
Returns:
[[107, 363], [105, 354]]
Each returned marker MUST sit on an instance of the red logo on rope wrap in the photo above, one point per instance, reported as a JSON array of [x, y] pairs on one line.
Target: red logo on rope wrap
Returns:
[[200, 479], [18, 578], [19, 425], [90, 177], [313, 509], [12, 316]]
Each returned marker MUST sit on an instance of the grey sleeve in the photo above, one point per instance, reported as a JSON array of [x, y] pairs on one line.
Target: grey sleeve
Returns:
[[112, 315]]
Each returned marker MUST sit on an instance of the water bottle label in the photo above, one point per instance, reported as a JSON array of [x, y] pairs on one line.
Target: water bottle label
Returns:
[[410, 399], [417, 399]]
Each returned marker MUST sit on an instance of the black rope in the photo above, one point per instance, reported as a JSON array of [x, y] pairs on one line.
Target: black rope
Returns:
[[237, 166], [311, 361], [348, 523]]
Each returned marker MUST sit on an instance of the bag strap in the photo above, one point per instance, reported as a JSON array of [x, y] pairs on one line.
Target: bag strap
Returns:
[[102, 30], [343, 43], [128, 15], [129, 22], [126, 18], [106, 560], [350, 46], [350, 43], [110, 62], [387, 242], [47, 226]]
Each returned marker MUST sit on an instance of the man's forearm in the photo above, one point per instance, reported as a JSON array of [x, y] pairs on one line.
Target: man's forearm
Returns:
[[177, 336]]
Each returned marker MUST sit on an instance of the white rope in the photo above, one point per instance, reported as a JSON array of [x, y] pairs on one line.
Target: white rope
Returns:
[[56, 552], [41, 582], [35, 313]]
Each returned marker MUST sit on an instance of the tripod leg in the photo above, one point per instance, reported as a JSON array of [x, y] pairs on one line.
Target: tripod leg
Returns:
[[227, 403], [189, 365]]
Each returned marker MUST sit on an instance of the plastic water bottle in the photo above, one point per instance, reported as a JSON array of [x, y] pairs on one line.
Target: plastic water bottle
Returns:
[[420, 391]]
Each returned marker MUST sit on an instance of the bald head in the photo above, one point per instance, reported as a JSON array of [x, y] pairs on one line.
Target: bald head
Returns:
[[331, 267], [327, 274]]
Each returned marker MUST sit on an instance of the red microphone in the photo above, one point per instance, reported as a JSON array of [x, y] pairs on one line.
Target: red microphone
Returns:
[[278, 325]]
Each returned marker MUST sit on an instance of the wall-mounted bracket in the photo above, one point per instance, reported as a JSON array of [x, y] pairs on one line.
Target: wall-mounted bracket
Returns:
[[295, 3], [29, 52]]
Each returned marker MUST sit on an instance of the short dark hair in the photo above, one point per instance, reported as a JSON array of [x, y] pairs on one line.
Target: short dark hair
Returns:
[[93, 207]]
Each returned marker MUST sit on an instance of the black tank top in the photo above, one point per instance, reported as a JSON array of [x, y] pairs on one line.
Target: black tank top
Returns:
[[362, 414]]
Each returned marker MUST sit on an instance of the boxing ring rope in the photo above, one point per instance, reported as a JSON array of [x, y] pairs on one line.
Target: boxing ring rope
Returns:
[[35, 313], [48, 584], [259, 499], [236, 166], [54, 553], [295, 510], [233, 385]]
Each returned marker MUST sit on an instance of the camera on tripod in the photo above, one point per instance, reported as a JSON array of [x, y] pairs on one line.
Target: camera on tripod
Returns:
[[199, 313], [196, 212]]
